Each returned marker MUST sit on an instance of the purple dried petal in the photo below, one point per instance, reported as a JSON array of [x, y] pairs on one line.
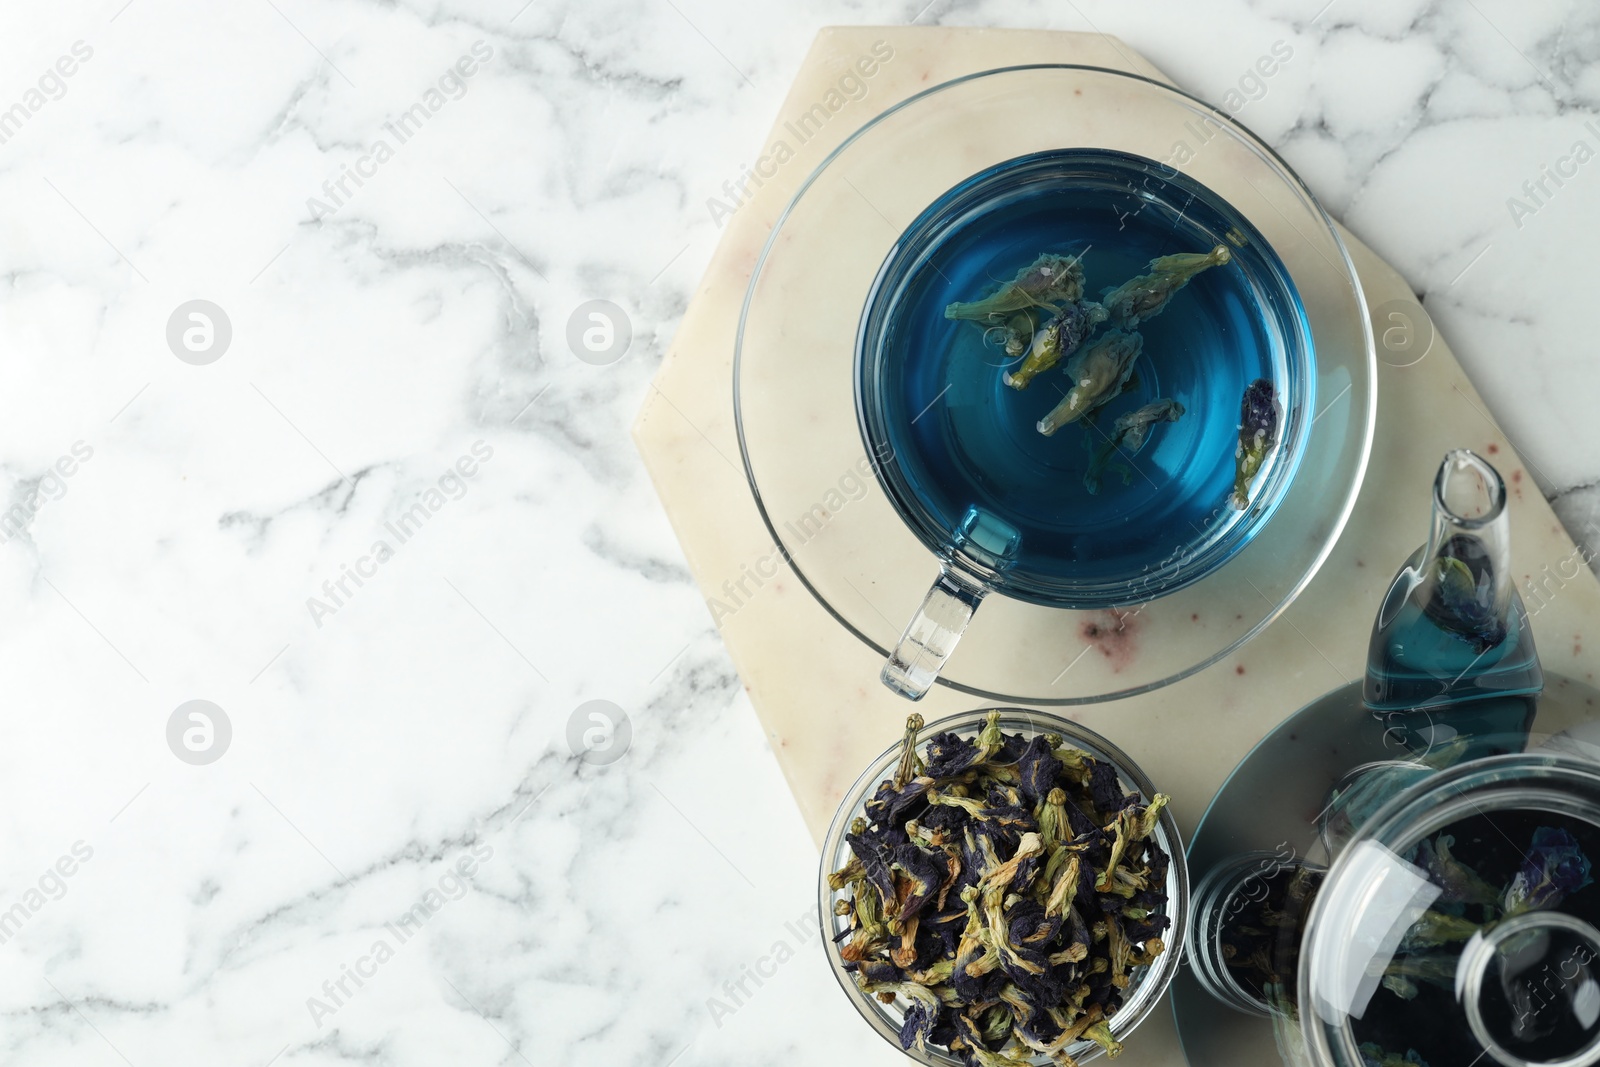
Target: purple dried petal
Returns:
[[919, 1022], [877, 970], [1259, 414], [944, 1027], [1259, 410], [947, 755], [946, 817], [1105, 788], [1027, 871], [974, 990], [1039, 768], [1011, 749], [924, 871], [891, 806], [875, 854], [1554, 869], [1078, 822]]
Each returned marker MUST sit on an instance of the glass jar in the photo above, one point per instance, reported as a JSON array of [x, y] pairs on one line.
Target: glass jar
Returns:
[[1224, 902], [1147, 983], [1459, 926]]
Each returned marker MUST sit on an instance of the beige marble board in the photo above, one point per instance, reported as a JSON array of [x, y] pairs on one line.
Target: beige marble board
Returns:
[[815, 687]]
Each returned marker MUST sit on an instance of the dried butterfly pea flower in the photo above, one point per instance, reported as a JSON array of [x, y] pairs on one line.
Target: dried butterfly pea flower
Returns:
[[869, 932], [1146, 296], [1018, 333], [1463, 596], [950, 755], [1131, 825], [1038, 770], [918, 1024], [1061, 336], [1259, 416], [1048, 280], [878, 971], [1435, 928], [893, 805], [1257, 953], [1402, 974], [906, 769], [1374, 1056], [1468, 605], [922, 877], [874, 849], [1105, 789], [1129, 432], [1098, 373], [1554, 868]]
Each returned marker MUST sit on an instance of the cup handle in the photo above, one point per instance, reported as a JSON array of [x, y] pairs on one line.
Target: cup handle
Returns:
[[932, 635]]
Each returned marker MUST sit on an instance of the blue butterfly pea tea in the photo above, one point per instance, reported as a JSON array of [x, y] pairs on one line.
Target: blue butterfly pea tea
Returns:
[[1005, 388], [1041, 315]]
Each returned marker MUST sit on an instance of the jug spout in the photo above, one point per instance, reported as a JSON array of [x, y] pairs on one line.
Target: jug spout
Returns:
[[1452, 643]]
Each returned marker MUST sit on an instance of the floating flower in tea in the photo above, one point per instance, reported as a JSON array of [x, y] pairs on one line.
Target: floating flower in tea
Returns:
[[1004, 893], [1464, 600], [1018, 332], [1146, 296], [1259, 416], [1049, 280], [1102, 369], [1098, 373], [1060, 337], [1130, 432]]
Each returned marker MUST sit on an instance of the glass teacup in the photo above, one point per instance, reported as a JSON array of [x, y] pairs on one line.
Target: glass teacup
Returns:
[[1150, 595], [1137, 496]]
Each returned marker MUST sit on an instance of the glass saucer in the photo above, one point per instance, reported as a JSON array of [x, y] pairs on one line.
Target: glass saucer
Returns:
[[815, 480]]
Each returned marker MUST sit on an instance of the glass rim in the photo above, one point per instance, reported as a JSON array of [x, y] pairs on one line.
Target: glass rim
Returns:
[[1337, 520], [1493, 483]]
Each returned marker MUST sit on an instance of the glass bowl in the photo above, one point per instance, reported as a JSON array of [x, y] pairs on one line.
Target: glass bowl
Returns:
[[817, 481], [1147, 983]]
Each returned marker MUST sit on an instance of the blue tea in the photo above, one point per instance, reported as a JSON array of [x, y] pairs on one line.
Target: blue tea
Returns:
[[1090, 515]]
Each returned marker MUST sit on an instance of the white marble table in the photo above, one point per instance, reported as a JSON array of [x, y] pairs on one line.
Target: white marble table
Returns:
[[397, 370]]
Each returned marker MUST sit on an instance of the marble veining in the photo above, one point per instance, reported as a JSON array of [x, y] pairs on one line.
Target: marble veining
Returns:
[[650, 910]]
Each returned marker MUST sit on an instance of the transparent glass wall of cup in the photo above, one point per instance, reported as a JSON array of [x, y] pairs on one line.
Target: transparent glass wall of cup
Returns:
[[816, 481], [1148, 984], [966, 459]]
